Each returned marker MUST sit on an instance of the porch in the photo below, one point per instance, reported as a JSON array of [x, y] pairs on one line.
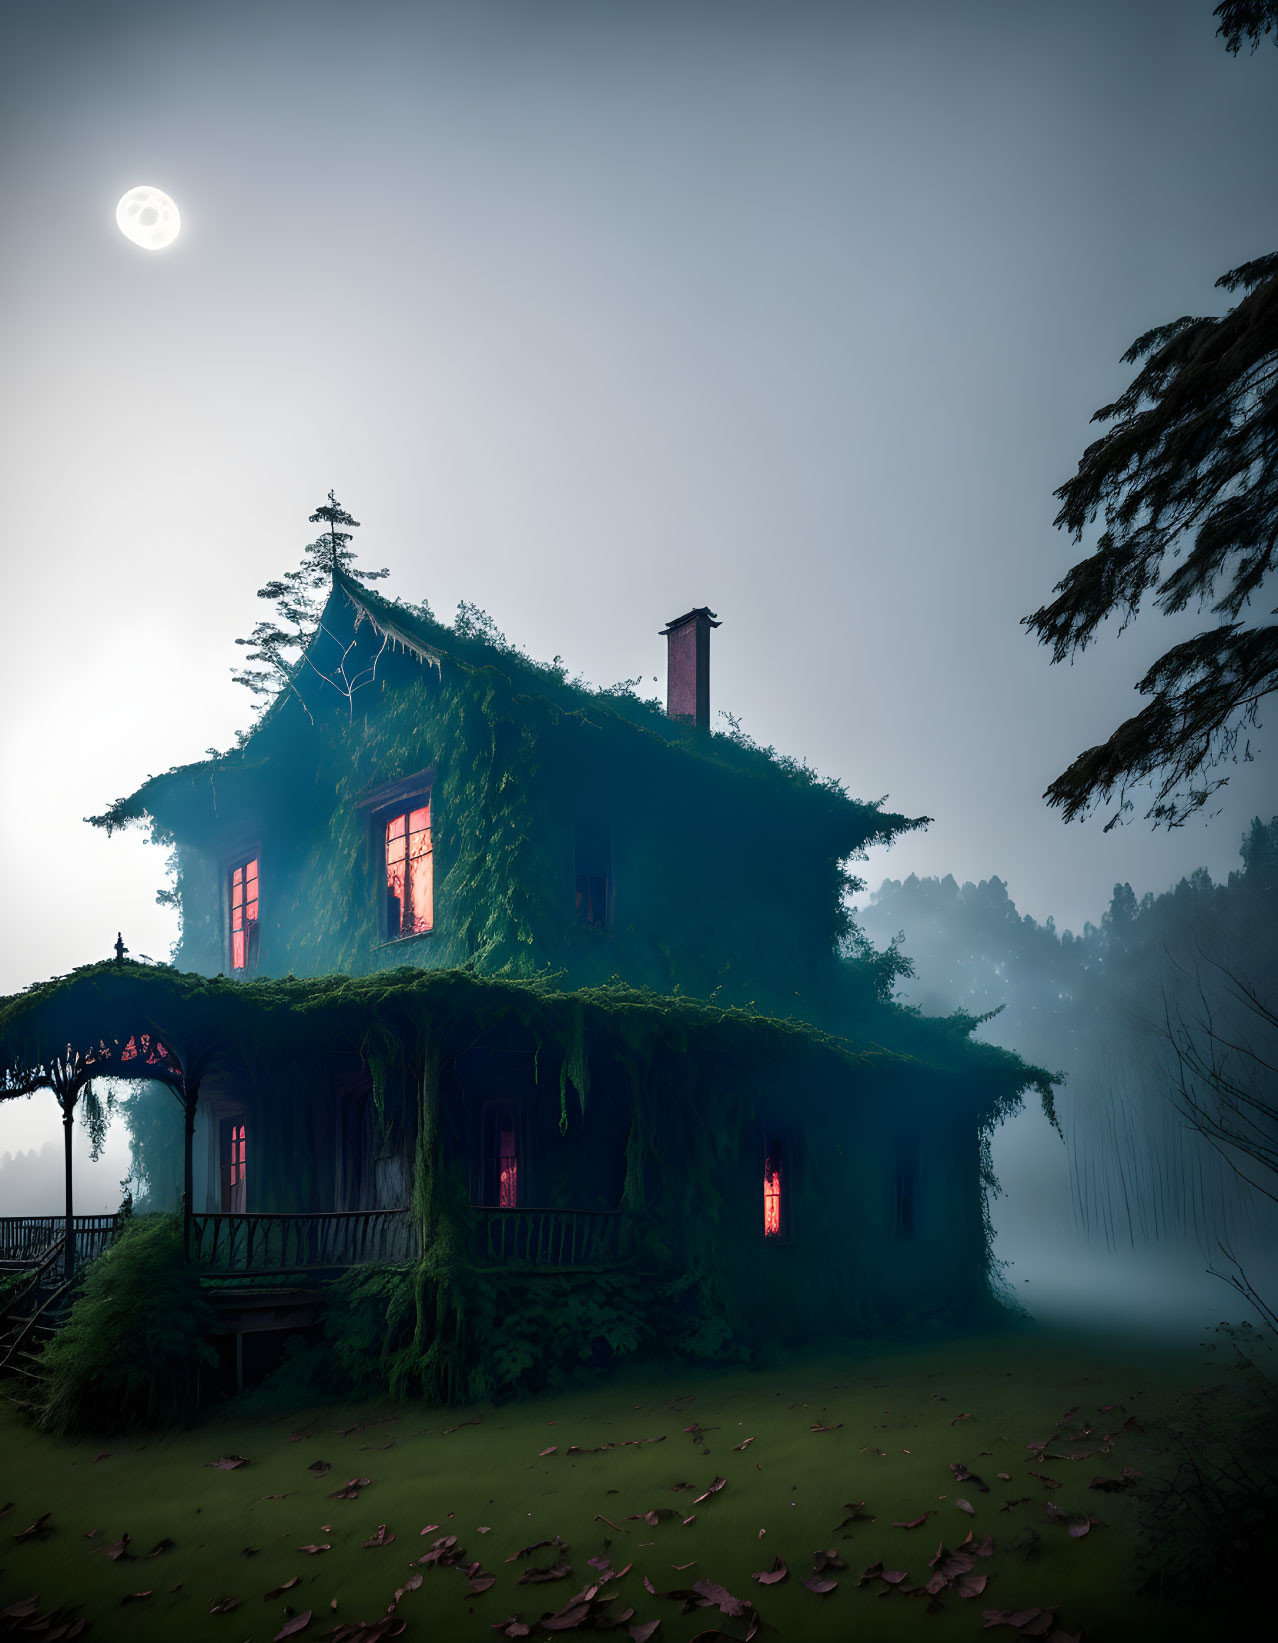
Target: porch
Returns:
[[236, 1246]]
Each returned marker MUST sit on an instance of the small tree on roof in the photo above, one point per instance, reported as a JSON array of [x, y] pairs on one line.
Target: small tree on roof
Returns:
[[299, 597]]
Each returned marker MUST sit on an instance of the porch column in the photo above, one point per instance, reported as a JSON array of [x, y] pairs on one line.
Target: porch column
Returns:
[[190, 1100], [67, 1104]]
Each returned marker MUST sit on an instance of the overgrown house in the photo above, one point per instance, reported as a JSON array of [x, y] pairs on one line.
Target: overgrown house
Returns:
[[547, 998]]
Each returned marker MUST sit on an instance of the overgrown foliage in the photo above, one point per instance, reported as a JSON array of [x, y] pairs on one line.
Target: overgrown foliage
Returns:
[[1186, 480], [134, 1352], [1246, 20], [1206, 1520]]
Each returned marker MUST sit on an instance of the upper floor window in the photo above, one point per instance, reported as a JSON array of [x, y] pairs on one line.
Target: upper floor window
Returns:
[[592, 867], [410, 874], [244, 915]]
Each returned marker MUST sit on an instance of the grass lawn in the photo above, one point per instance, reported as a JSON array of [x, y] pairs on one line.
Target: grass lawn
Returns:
[[796, 1446]]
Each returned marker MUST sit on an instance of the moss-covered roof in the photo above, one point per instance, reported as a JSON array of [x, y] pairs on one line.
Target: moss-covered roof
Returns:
[[203, 1020], [439, 645]]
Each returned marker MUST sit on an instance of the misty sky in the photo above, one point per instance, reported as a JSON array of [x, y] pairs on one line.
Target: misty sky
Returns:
[[592, 313]]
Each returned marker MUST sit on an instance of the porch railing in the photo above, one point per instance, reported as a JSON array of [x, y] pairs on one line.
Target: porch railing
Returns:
[[552, 1237], [25, 1240], [259, 1244]]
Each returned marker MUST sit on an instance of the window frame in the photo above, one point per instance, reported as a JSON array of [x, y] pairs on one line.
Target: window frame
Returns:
[[381, 806], [235, 863], [490, 1159], [603, 830], [776, 1152]]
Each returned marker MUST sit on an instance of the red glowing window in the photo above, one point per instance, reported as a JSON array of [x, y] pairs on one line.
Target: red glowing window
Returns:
[[499, 1165], [234, 1166], [772, 1196], [238, 1154], [507, 1170], [410, 874], [244, 910]]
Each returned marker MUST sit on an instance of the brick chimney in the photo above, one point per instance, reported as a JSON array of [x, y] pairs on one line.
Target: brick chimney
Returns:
[[688, 667]]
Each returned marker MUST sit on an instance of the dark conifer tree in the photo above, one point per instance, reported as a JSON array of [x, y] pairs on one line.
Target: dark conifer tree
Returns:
[[1186, 480], [299, 598], [1246, 20]]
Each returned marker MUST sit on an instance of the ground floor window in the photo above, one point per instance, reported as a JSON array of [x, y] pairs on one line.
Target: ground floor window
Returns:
[[234, 1150], [772, 1221], [907, 1168], [500, 1185]]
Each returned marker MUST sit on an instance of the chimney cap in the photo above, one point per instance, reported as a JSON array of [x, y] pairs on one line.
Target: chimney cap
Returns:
[[679, 621]]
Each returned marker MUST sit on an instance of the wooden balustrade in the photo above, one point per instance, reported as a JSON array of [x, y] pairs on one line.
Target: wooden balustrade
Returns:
[[558, 1238], [302, 1243], [26, 1239]]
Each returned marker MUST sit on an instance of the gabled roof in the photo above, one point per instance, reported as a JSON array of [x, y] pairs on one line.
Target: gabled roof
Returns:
[[435, 644]]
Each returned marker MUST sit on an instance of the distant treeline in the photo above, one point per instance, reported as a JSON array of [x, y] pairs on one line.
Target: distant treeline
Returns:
[[1118, 1010]]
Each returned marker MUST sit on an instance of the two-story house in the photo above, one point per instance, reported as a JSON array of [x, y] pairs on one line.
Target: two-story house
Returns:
[[518, 982]]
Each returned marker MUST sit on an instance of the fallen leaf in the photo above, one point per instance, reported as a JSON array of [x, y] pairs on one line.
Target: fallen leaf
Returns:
[[553, 1448], [526, 1551], [381, 1537], [1021, 1619], [894, 1577], [969, 1585], [118, 1549], [967, 1416], [721, 1597], [1079, 1527], [838, 1427], [351, 1489], [227, 1463], [745, 1444], [134, 1597], [476, 1422], [821, 1561], [320, 1467], [537, 1577], [22, 1608], [290, 1628], [160, 1546], [278, 1591], [773, 1576], [224, 1605], [641, 1631], [312, 1550], [966, 1506], [914, 1523], [37, 1530], [712, 1490], [821, 1587]]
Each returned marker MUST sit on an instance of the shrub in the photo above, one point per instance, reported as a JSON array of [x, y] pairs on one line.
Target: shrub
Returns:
[[134, 1351]]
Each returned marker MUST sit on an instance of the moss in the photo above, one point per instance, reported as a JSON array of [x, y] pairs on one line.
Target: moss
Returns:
[[134, 1351]]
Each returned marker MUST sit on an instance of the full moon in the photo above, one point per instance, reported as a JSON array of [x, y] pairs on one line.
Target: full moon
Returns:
[[149, 218]]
